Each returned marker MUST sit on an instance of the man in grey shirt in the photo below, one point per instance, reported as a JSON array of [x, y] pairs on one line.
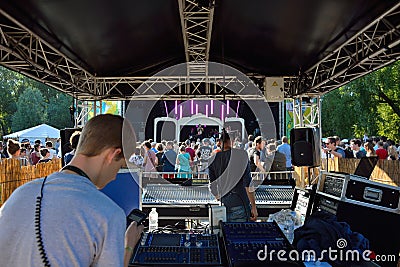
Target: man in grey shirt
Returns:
[[63, 219]]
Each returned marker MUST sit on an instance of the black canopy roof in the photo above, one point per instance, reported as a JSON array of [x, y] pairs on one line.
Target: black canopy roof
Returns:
[[122, 38]]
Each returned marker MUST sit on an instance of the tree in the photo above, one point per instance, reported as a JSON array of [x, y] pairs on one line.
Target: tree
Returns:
[[58, 114], [31, 110], [370, 104]]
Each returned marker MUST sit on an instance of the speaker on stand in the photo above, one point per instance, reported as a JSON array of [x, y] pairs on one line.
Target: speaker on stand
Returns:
[[305, 146]]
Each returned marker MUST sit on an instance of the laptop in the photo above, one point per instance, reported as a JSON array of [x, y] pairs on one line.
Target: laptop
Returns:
[[366, 166]]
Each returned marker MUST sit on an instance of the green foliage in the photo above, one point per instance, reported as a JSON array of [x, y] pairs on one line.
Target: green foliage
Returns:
[[31, 110], [58, 111], [14, 85], [370, 105]]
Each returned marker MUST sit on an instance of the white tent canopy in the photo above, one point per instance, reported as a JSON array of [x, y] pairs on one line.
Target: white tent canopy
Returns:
[[41, 132]]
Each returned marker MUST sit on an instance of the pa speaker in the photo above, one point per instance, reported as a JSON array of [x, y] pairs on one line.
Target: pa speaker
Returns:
[[305, 146], [65, 135]]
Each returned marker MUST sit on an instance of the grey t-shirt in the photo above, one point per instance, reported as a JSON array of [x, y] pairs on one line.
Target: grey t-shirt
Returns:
[[80, 225]]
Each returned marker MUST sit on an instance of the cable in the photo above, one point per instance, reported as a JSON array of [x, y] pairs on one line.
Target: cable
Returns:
[[38, 227]]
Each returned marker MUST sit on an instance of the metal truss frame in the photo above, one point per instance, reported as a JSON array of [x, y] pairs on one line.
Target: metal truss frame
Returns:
[[307, 112], [21, 50], [24, 52], [196, 22], [373, 47], [83, 110]]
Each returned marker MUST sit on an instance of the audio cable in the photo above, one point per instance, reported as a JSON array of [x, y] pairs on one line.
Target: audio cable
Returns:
[[38, 227]]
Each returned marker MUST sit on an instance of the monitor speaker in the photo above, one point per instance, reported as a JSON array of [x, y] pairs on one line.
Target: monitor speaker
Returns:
[[305, 145], [65, 135]]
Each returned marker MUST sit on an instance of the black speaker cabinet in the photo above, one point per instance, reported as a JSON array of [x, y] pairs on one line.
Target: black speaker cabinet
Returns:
[[380, 227], [305, 145], [65, 135]]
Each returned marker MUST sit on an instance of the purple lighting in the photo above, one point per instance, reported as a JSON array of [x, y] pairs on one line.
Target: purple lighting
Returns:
[[176, 107], [197, 109], [227, 107], [237, 109], [206, 110], [166, 108], [222, 113], [180, 111], [212, 107], [191, 107]]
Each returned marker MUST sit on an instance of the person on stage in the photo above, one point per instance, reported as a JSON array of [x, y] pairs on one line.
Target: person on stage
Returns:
[[200, 131]]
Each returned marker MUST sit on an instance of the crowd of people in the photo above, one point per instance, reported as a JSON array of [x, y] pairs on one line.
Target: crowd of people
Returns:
[[190, 157], [26, 154], [380, 147], [39, 153]]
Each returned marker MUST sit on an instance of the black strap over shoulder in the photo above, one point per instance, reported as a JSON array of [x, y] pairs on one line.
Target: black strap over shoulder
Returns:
[[76, 170]]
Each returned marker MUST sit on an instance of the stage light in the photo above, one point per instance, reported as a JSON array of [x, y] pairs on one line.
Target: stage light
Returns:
[[237, 109], [197, 109], [212, 107], [227, 107], [222, 114], [180, 111], [206, 110], [176, 107], [191, 107], [166, 108]]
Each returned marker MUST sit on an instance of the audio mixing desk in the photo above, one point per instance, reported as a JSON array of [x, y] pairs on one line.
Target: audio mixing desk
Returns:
[[175, 201], [191, 202]]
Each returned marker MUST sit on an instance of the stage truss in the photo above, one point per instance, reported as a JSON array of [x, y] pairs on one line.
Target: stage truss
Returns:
[[21, 50]]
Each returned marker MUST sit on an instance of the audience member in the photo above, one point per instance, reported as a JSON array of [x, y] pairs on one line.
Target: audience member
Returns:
[[230, 181], [183, 163], [168, 160], [74, 139], [355, 145], [381, 152], [369, 148]]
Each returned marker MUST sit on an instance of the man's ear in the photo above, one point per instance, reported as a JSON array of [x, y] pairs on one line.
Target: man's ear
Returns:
[[117, 155], [114, 154]]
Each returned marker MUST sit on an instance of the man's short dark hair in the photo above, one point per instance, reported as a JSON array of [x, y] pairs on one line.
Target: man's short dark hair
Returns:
[[331, 140], [44, 152], [356, 141]]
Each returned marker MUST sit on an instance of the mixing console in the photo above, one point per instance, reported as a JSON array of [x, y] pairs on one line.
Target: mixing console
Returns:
[[176, 194], [177, 250], [279, 196], [244, 241]]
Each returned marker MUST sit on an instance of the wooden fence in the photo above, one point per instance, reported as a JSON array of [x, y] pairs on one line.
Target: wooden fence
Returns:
[[13, 175], [385, 171]]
